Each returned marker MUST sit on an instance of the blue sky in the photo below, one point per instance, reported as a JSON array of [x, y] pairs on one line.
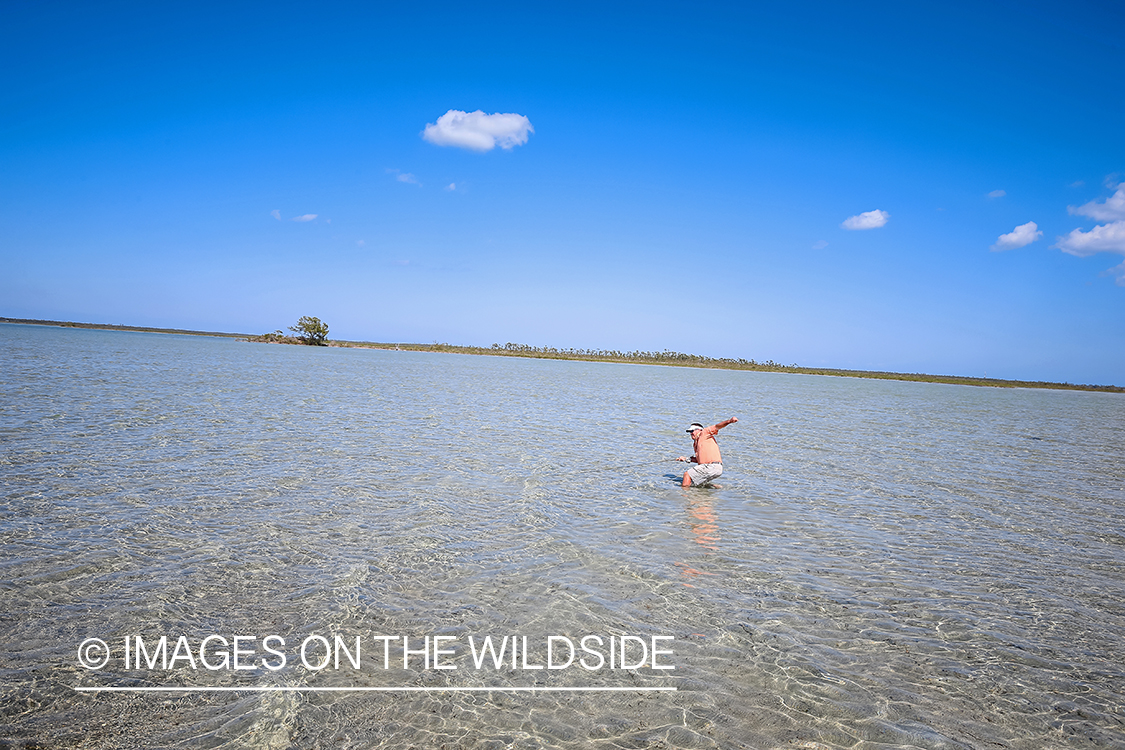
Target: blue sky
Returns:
[[685, 181]]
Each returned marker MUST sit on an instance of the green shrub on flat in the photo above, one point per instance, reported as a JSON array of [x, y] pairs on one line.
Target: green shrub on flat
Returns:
[[311, 331]]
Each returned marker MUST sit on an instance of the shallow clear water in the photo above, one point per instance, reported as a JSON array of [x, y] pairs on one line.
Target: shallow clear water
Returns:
[[886, 564]]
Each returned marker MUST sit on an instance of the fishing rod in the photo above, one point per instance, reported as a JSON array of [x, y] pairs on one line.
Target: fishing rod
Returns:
[[647, 463], [565, 472]]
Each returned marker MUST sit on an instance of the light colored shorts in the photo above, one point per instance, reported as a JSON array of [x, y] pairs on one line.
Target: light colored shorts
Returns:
[[704, 473]]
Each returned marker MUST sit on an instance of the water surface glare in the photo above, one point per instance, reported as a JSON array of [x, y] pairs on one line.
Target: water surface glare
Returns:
[[885, 564]]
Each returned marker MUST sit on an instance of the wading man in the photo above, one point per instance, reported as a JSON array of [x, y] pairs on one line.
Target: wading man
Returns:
[[708, 462]]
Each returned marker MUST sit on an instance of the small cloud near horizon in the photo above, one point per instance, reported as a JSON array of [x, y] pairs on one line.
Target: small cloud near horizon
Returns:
[[867, 220], [1021, 236], [477, 131], [997, 194], [305, 217]]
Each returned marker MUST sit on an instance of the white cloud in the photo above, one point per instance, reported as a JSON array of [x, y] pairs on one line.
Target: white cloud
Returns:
[[820, 245], [477, 131], [1022, 235], [867, 220], [306, 217], [276, 213], [1112, 209], [997, 194], [1104, 238], [452, 186]]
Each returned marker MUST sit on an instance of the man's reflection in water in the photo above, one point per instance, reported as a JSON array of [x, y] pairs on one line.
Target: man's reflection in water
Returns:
[[704, 525]]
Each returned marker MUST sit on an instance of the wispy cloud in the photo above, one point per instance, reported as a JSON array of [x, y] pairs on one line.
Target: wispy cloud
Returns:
[[867, 220], [1118, 272], [407, 177], [1111, 209], [305, 217], [478, 131], [820, 245], [997, 194], [1021, 236], [276, 213]]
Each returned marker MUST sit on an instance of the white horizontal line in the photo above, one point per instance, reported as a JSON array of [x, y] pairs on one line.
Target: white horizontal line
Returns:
[[297, 689]]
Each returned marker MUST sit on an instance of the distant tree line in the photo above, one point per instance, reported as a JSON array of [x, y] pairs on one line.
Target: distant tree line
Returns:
[[665, 356], [313, 331]]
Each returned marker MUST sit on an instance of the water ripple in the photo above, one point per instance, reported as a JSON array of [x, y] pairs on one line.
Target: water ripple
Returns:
[[886, 564]]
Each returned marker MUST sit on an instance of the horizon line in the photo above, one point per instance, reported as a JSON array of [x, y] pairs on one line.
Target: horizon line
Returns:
[[685, 360]]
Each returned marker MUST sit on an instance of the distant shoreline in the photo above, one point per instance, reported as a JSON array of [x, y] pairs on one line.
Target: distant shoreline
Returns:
[[667, 358], [119, 327]]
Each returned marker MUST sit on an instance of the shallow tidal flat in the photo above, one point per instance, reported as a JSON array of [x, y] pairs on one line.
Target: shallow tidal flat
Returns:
[[886, 564]]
